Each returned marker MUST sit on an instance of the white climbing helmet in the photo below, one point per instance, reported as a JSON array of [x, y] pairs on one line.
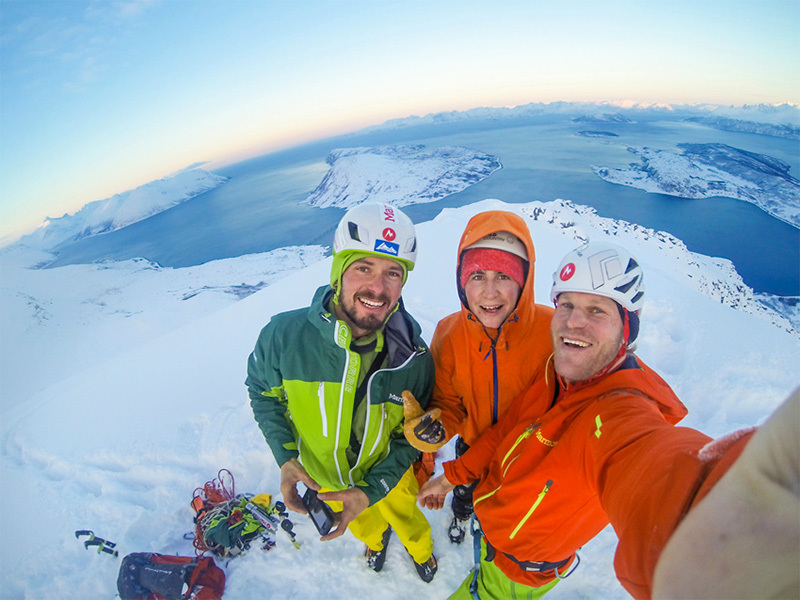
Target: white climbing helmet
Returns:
[[604, 269]]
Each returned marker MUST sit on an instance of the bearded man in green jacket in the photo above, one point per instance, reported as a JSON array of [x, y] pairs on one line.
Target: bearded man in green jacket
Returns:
[[326, 383]]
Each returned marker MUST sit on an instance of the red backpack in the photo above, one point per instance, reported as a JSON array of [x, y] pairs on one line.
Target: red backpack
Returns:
[[151, 576]]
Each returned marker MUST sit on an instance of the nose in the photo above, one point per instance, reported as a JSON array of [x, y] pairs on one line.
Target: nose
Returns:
[[576, 318], [491, 287]]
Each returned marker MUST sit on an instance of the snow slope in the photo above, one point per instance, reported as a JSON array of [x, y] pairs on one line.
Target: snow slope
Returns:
[[121, 210], [706, 170], [406, 174], [119, 444]]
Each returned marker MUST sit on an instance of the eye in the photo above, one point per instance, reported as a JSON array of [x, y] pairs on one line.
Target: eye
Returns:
[[503, 276], [396, 274], [597, 311]]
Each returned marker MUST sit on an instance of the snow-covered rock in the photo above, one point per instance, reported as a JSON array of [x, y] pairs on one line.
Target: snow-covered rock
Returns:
[[121, 210], [401, 174], [706, 170]]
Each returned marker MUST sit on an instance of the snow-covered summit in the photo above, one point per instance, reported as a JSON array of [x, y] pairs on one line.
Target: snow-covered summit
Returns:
[[152, 403], [400, 174], [121, 210], [706, 170]]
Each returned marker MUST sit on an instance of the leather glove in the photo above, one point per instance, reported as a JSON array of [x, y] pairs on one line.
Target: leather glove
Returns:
[[423, 430]]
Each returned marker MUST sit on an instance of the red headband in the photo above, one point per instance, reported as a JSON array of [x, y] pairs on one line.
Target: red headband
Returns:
[[489, 259]]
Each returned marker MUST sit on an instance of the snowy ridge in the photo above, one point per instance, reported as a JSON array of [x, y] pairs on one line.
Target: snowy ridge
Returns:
[[786, 113], [713, 277], [121, 210], [706, 170], [116, 305], [399, 174]]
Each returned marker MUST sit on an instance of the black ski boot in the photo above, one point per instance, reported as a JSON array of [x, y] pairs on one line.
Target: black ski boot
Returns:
[[457, 530], [426, 570], [376, 558]]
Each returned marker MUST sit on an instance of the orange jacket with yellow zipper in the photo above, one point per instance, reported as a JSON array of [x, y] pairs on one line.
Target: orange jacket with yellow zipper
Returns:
[[480, 371], [547, 481]]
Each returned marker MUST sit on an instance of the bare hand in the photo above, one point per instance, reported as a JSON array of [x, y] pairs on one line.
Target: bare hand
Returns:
[[292, 472], [433, 492], [354, 502]]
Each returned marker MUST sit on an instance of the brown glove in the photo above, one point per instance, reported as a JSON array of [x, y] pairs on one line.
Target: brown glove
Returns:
[[423, 430]]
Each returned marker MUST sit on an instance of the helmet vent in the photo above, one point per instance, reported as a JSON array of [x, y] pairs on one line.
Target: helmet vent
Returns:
[[632, 264], [626, 286], [352, 228], [637, 297]]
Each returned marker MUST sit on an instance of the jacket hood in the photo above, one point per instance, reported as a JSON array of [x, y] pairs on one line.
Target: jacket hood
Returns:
[[492, 221]]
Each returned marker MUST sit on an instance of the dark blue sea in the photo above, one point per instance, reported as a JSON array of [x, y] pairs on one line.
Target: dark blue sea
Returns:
[[262, 206]]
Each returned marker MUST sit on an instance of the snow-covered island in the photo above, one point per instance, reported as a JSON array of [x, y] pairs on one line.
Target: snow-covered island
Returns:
[[121, 210], [706, 170], [400, 174]]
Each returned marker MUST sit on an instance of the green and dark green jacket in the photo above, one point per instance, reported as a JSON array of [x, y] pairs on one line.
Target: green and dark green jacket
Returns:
[[302, 380]]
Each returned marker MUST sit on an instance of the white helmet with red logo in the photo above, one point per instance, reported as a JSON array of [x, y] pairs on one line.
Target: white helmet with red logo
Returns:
[[375, 229], [379, 229], [604, 269]]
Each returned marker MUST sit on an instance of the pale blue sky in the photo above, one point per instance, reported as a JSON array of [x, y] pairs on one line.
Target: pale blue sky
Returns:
[[97, 97]]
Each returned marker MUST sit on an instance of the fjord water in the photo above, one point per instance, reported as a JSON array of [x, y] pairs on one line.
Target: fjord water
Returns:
[[262, 206]]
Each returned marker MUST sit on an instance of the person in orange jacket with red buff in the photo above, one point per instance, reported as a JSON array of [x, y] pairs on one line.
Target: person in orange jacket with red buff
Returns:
[[607, 451], [491, 350]]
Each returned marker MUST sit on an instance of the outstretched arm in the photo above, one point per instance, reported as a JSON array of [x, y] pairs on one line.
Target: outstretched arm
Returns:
[[743, 539]]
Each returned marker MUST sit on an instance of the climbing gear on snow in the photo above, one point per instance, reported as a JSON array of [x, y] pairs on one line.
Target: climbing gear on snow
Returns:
[[102, 545], [227, 523], [376, 558], [147, 575]]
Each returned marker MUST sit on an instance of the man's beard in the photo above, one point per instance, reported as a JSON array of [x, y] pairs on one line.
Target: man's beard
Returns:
[[370, 323]]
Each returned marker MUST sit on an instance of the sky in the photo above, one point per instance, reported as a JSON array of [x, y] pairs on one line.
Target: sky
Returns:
[[98, 97]]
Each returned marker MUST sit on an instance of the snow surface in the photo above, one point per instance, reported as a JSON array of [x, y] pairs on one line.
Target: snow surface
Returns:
[[121, 210], [118, 441], [406, 174], [706, 170]]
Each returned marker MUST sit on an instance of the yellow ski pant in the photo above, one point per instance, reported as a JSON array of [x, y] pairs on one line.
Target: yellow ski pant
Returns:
[[398, 509]]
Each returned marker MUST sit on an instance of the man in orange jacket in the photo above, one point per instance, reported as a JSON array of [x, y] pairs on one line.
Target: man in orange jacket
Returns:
[[606, 451], [490, 351]]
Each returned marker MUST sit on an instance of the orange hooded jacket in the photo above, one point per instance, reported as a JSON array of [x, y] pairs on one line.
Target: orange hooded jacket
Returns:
[[478, 379], [547, 480]]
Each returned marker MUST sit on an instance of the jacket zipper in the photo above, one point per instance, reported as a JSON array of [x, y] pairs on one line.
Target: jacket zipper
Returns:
[[525, 434], [532, 509]]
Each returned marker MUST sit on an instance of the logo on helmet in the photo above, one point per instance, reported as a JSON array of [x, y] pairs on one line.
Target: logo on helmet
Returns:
[[567, 272], [388, 213], [389, 234], [387, 248]]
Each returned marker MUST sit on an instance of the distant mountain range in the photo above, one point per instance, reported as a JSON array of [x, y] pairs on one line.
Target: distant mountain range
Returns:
[[786, 117]]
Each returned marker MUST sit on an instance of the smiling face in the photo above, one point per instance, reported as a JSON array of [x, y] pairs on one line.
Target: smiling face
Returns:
[[491, 296], [587, 335], [371, 287]]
